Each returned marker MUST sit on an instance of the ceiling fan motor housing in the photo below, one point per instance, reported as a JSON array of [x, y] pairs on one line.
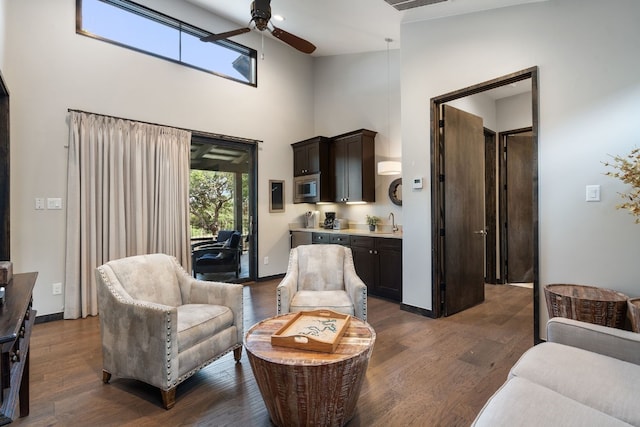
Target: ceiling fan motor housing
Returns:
[[261, 13]]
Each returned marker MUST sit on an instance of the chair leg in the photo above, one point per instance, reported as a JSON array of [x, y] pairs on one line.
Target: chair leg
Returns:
[[237, 354], [168, 398], [106, 376]]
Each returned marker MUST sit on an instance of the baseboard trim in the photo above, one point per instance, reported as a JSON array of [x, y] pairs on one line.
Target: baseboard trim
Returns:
[[49, 318], [417, 310], [267, 278]]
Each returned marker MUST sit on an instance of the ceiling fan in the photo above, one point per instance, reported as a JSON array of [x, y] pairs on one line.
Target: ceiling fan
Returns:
[[261, 17]]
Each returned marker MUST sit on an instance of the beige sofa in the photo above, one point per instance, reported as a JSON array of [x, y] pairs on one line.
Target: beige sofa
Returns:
[[584, 375]]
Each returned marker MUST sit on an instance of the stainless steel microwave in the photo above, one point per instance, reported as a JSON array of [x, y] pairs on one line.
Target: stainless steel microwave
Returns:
[[306, 189]]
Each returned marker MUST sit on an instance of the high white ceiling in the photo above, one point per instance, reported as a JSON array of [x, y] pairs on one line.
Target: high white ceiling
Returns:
[[347, 26]]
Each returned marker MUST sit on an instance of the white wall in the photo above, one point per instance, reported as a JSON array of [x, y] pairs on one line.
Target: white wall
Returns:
[[3, 30], [586, 52], [514, 112], [362, 91], [51, 69]]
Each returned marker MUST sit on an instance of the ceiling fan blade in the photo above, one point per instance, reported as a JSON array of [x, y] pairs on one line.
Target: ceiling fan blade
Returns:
[[225, 35], [292, 40]]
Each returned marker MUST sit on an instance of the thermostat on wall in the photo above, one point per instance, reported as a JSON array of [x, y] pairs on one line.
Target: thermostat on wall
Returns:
[[416, 183]]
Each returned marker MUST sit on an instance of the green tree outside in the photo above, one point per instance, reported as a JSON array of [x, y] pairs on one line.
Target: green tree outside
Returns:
[[211, 202]]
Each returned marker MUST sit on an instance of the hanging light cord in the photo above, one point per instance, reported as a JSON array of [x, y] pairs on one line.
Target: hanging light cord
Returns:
[[388, 40]]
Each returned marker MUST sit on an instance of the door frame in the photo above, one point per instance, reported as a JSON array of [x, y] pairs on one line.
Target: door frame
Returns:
[[437, 203], [5, 241]]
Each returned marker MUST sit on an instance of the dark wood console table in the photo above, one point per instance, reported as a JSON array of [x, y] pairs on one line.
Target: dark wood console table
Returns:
[[16, 322]]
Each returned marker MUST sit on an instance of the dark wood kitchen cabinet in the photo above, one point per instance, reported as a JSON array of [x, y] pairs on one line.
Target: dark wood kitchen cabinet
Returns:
[[378, 262], [330, 238], [354, 162], [312, 156]]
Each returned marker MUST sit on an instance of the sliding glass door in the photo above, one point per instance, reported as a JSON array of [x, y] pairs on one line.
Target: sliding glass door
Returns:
[[223, 201]]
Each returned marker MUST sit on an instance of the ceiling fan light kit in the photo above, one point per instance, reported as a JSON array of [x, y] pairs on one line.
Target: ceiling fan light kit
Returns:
[[261, 19]]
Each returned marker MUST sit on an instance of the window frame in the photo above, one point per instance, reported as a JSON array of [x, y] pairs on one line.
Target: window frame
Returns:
[[177, 24]]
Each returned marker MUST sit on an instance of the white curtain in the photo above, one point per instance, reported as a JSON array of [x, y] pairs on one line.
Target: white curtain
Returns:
[[127, 194]]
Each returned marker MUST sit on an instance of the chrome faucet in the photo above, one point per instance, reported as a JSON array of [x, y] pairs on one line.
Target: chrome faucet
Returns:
[[394, 227]]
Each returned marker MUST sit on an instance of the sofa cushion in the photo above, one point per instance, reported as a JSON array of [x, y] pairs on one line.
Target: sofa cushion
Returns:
[[606, 384], [520, 402], [197, 322], [312, 300]]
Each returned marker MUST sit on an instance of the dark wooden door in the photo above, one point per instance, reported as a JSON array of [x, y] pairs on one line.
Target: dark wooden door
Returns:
[[519, 206], [464, 228]]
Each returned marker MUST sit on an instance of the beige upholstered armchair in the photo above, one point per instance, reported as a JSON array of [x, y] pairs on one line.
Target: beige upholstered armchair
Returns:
[[159, 325], [322, 276]]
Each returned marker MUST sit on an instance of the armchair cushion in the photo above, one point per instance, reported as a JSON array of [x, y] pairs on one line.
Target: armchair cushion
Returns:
[[149, 279], [197, 322], [310, 300], [320, 267]]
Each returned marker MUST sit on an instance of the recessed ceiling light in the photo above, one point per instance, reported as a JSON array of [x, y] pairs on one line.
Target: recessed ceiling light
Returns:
[[278, 17]]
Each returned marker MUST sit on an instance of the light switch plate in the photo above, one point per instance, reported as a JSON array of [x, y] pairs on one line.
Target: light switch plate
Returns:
[[54, 203], [593, 193]]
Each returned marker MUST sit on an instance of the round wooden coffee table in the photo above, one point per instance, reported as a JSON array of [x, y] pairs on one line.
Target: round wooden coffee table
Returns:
[[301, 387]]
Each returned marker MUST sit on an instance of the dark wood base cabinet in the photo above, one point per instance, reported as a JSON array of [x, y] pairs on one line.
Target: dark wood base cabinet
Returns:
[[16, 322], [378, 262]]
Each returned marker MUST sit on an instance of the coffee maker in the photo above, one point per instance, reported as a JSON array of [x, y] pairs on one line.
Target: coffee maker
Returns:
[[328, 220], [311, 219]]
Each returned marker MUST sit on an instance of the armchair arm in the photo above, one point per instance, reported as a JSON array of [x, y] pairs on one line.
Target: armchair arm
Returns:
[[288, 286], [356, 288], [195, 291], [139, 338], [623, 345]]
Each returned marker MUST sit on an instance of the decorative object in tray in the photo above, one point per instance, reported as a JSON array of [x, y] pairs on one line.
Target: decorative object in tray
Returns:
[[317, 330]]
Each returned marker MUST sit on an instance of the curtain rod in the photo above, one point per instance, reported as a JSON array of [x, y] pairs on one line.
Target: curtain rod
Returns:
[[193, 132]]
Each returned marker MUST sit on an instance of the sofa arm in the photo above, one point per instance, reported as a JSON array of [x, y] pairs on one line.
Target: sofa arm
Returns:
[[617, 343]]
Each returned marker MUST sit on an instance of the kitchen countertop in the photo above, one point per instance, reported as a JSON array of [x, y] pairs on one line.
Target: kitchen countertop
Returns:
[[351, 232]]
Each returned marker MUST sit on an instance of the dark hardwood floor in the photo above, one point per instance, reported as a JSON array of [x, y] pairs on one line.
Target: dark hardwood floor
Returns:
[[435, 372]]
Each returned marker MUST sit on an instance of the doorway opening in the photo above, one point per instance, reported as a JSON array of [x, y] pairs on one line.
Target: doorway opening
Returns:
[[222, 198], [452, 232]]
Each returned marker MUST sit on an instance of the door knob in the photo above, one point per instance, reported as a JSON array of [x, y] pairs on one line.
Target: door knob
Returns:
[[483, 232]]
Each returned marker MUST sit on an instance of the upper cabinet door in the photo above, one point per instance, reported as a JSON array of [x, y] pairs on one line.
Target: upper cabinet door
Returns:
[[354, 160], [311, 156]]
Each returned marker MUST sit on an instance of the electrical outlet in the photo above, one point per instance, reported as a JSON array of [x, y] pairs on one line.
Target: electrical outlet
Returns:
[[266, 260], [39, 203], [57, 288]]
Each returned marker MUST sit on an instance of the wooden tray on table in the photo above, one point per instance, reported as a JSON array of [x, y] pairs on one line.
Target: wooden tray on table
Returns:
[[317, 330]]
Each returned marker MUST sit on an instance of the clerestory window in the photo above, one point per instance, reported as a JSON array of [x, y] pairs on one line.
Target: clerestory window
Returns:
[[136, 27]]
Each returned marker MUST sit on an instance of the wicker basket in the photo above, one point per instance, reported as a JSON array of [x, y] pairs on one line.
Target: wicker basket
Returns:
[[587, 303], [634, 313]]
